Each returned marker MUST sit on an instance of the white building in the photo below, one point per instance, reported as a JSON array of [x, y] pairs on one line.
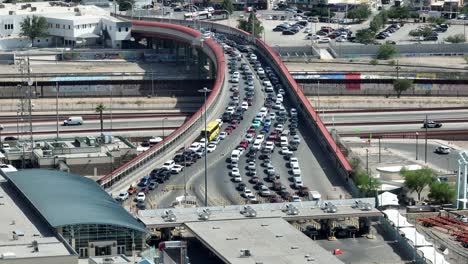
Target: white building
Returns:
[[68, 25]]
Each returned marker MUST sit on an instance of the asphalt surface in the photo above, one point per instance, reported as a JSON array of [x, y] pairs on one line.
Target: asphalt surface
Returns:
[[443, 162], [417, 116], [318, 173], [135, 123]]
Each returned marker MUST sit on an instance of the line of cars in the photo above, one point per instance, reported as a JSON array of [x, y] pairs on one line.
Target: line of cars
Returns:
[[326, 34], [291, 29], [388, 31], [267, 131]]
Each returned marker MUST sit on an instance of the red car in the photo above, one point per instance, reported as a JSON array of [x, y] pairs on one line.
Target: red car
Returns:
[[228, 130], [132, 190], [244, 144]]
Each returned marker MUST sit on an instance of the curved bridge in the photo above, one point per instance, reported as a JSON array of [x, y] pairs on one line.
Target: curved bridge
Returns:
[[180, 30]]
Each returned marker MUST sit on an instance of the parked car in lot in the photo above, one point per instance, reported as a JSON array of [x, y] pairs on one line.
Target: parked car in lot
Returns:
[[442, 150], [122, 196]]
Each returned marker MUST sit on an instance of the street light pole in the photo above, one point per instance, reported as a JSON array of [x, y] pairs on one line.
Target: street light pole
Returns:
[[56, 107], [205, 91], [417, 134], [164, 141]]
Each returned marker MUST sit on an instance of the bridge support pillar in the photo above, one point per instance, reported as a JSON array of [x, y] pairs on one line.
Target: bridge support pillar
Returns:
[[166, 234], [212, 70], [364, 225]]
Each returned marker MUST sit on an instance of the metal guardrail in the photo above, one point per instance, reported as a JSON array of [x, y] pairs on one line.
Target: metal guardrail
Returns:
[[188, 128]]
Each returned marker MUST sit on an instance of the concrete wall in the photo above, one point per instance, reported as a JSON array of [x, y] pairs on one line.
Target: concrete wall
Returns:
[[405, 50]]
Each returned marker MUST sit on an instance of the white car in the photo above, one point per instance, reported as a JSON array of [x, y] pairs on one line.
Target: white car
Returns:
[[272, 116], [251, 166], [277, 105], [177, 168], [249, 88], [296, 171], [293, 161], [285, 151], [241, 150], [279, 127], [324, 40], [296, 198], [293, 112], [222, 135], [260, 138], [122, 196], [253, 57], [270, 145], [141, 196], [298, 182], [168, 164], [256, 145], [195, 146], [236, 75], [234, 79], [296, 139], [260, 71], [211, 147], [230, 110], [245, 105], [264, 191], [215, 140], [235, 172], [279, 98], [237, 179], [249, 137], [281, 91], [263, 111], [248, 193]]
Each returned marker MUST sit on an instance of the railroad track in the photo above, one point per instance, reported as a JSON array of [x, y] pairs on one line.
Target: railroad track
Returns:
[[396, 122], [434, 134], [343, 111]]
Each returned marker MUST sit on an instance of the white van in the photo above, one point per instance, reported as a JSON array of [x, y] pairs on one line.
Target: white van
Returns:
[[314, 196], [284, 141], [235, 155], [73, 121]]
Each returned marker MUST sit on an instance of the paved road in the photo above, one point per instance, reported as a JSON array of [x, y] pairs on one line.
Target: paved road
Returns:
[[417, 116], [394, 128], [157, 122], [318, 173]]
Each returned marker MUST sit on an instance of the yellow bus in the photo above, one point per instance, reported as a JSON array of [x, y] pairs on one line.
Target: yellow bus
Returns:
[[212, 130]]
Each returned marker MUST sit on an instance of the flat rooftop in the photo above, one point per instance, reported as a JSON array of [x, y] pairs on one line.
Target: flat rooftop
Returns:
[[306, 210], [56, 11], [15, 217], [269, 240]]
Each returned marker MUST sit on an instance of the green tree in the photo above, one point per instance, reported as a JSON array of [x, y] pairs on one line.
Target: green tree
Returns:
[[436, 20], [417, 180], [33, 27], [100, 108], [125, 5], [246, 25], [386, 51], [399, 12], [421, 32], [366, 184], [321, 11], [458, 38], [378, 21], [365, 36], [441, 192], [401, 85], [359, 13], [228, 6]]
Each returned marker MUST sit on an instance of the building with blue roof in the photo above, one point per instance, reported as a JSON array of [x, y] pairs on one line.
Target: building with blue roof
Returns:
[[80, 211]]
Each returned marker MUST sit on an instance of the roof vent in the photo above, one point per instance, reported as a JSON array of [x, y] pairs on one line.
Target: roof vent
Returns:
[[245, 253], [204, 215], [35, 246]]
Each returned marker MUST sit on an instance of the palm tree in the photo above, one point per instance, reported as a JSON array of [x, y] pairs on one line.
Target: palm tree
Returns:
[[99, 109]]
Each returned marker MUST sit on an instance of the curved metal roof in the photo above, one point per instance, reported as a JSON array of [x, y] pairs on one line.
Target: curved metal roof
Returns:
[[70, 199]]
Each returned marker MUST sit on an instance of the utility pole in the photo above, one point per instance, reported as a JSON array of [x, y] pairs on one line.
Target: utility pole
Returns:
[[425, 143], [56, 107], [379, 150], [417, 135], [205, 91], [367, 161]]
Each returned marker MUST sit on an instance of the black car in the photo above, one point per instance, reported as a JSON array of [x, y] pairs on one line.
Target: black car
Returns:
[[431, 38], [153, 185], [279, 29], [179, 158], [226, 117], [241, 186], [289, 32]]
